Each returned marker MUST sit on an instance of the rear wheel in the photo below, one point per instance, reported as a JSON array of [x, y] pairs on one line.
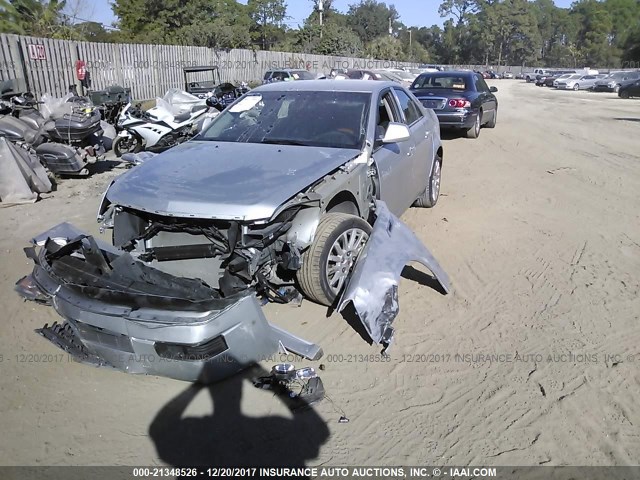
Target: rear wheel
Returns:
[[494, 119], [430, 196], [338, 241], [130, 144], [474, 132]]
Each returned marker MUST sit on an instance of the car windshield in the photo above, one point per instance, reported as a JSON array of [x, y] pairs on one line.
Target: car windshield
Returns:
[[315, 119], [574, 77], [452, 82], [403, 75], [383, 75], [302, 75]]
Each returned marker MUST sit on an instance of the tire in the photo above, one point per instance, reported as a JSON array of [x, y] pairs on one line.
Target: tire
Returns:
[[474, 132], [623, 94], [616, 89], [492, 123], [576, 87], [122, 145], [430, 196], [333, 229]]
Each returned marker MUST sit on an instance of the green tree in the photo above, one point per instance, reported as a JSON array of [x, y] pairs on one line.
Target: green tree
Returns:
[[36, 18], [93, 32], [268, 16], [631, 53], [370, 19], [213, 23], [594, 39], [335, 40], [385, 47]]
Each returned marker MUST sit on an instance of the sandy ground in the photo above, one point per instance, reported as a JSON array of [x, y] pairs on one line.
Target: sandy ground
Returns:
[[538, 227]]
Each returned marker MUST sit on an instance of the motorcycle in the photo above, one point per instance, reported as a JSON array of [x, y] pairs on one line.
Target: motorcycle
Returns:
[[157, 129], [66, 135]]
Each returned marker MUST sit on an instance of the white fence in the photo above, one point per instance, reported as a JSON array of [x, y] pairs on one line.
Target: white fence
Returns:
[[44, 65]]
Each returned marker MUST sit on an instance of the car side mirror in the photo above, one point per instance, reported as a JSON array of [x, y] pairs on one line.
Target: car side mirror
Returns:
[[493, 89], [396, 133]]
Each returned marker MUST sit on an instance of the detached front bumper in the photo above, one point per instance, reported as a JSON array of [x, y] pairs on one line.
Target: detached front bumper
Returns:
[[463, 118], [124, 314]]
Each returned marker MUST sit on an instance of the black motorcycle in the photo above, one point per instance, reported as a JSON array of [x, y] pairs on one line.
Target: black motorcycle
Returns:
[[66, 143]]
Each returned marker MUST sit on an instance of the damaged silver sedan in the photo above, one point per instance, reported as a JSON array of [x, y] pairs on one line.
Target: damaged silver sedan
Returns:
[[275, 201]]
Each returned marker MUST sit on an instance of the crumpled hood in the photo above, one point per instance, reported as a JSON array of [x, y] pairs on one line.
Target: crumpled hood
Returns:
[[224, 180]]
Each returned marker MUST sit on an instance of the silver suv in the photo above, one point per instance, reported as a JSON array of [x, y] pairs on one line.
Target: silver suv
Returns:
[[613, 81]]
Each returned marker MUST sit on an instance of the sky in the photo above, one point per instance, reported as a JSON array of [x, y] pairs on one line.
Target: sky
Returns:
[[412, 12]]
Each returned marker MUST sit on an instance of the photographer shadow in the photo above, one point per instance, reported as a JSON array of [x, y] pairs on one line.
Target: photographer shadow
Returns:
[[228, 437]]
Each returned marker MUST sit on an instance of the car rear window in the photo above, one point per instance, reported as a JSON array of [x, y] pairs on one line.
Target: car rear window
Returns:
[[452, 82]]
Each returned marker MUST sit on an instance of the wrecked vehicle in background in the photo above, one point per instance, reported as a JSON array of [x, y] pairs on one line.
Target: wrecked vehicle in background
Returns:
[[276, 199]]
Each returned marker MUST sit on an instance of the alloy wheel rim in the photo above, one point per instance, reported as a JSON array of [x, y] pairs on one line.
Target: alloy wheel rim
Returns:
[[435, 182], [128, 145], [342, 257]]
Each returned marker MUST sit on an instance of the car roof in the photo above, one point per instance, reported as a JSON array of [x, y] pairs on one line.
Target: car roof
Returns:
[[287, 70], [202, 68], [364, 86], [451, 73]]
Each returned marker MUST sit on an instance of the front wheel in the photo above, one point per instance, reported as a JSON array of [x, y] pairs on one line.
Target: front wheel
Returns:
[[130, 144], [576, 87], [624, 94], [327, 264], [430, 196], [616, 89]]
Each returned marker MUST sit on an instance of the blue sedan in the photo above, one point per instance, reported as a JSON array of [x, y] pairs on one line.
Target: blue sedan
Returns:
[[460, 99]]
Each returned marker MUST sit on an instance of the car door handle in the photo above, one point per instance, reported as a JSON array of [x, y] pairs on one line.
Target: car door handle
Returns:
[[412, 150], [426, 135]]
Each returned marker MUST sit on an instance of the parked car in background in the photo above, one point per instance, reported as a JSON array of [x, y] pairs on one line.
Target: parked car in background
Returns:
[[354, 74], [507, 75], [629, 89], [541, 79], [520, 76], [388, 76], [431, 68], [286, 75], [613, 81], [578, 82], [460, 99], [405, 77], [531, 76], [561, 78], [549, 79]]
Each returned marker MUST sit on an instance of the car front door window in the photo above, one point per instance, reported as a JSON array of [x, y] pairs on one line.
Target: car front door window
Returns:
[[412, 113], [386, 114]]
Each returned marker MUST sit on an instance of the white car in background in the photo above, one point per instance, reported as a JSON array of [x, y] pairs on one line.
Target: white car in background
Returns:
[[406, 77], [579, 82], [562, 78]]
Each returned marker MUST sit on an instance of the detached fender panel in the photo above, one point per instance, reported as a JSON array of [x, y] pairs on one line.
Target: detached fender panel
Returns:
[[373, 286]]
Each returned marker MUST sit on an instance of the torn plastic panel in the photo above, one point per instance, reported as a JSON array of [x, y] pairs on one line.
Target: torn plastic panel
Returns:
[[373, 285], [123, 313]]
